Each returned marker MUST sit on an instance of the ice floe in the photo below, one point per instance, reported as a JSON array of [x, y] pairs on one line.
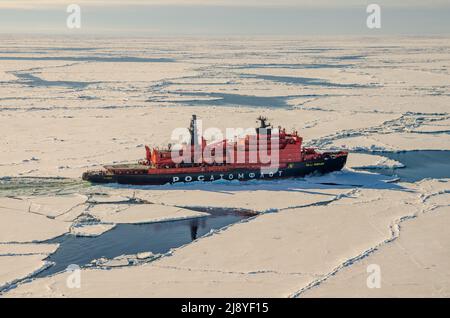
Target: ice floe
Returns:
[[71, 106]]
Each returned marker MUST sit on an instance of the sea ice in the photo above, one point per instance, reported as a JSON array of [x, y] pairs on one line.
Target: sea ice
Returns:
[[77, 109]]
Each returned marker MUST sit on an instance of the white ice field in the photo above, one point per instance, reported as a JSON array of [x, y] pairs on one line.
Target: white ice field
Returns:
[[72, 104]]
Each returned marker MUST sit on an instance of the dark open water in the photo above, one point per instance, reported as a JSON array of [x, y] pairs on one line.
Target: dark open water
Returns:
[[126, 239], [419, 164]]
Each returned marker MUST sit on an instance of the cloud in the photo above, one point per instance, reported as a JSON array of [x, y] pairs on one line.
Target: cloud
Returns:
[[49, 4]]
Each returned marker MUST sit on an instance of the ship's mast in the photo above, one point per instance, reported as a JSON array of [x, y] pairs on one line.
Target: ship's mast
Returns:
[[196, 146], [193, 131], [264, 126]]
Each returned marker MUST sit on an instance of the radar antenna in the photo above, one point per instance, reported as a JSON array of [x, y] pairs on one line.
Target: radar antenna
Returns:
[[263, 122]]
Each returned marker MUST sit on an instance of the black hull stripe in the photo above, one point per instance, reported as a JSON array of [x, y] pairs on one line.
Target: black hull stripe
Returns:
[[296, 170]]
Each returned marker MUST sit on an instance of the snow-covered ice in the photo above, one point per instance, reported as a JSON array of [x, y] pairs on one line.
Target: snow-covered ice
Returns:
[[63, 112]]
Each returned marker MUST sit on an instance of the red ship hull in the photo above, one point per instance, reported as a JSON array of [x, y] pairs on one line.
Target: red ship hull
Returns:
[[329, 163]]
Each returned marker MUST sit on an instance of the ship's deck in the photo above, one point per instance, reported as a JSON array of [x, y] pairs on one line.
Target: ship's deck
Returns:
[[128, 166]]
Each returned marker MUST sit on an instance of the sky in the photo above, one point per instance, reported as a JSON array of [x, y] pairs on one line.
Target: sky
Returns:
[[226, 17]]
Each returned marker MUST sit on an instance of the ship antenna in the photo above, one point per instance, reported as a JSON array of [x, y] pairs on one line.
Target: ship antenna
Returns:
[[263, 121]]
